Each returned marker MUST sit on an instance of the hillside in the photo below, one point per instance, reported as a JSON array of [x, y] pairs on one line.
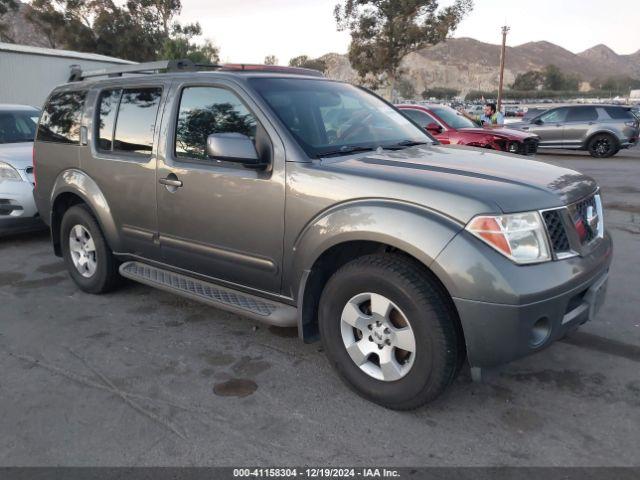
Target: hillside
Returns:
[[466, 64]]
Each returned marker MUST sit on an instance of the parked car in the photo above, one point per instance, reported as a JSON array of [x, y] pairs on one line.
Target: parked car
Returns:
[[451, 127], [602, 130], [531, 113], [300, 201], [18, 211]]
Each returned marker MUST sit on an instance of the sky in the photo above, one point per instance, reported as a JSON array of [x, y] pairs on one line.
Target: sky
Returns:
[[249, 30]]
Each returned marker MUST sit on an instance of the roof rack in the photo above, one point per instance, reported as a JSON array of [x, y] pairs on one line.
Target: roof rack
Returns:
[[184, 65]]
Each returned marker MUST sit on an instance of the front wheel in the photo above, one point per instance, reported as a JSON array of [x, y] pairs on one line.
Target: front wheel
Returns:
[[390, 330], [603, 146]]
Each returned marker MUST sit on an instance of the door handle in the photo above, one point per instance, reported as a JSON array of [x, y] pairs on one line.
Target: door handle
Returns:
[[171, 182]]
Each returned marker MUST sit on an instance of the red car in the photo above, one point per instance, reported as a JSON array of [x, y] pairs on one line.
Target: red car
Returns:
[[452, 128]]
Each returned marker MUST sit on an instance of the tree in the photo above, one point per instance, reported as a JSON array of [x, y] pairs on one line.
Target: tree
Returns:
[[440, 92], [406, 89], [383, 32], [271, 60], [555, 79], [303, 61], [531, 80], [138, 30]]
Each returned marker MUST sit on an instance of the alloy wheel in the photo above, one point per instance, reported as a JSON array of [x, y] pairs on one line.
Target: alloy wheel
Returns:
[[378, 336], [83, 251]]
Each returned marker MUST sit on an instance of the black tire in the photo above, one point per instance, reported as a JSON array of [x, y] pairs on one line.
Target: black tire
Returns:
[[430, 312], [603, 145], [106, 276]]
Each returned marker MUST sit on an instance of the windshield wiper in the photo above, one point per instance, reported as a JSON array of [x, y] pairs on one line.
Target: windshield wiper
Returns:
[[347, 150], [409, 143]]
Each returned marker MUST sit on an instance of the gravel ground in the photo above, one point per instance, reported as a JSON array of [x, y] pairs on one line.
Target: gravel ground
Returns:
[[143, 377]]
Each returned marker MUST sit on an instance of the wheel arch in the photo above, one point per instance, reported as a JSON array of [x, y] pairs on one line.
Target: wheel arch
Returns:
[[591, 135], [330, 242], [74, 187]]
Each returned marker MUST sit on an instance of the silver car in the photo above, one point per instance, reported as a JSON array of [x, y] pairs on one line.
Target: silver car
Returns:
[[602, 130], [17, 130]]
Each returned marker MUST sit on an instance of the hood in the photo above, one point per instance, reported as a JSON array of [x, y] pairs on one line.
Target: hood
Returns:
[[506, 133], [18, 155], [453, 178]]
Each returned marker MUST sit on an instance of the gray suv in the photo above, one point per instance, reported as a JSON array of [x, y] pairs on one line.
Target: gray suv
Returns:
[[309, 203], [602, 130]]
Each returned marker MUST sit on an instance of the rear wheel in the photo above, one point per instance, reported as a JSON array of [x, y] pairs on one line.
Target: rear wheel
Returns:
[[390, 331], [89, 259], [603, 146]]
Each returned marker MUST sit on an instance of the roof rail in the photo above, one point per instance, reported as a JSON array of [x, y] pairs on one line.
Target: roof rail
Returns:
[[78, 75], [169, 66]]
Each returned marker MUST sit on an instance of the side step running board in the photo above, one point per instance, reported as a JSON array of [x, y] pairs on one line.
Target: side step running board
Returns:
[[273, 313]]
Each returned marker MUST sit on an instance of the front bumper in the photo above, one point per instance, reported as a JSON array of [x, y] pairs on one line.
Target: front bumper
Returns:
[[509, 311], [18, 210]]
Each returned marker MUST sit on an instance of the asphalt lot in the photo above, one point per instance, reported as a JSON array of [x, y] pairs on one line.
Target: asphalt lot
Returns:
[[142, 377]]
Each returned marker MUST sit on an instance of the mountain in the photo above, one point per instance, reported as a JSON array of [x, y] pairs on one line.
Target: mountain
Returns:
[[22, 31], [467, 64]]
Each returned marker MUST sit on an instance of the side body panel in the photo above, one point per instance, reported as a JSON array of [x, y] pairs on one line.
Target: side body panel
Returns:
[[226, 221], [127, 181]]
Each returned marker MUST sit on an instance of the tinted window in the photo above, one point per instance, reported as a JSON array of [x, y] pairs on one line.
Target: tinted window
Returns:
[[582, 114], [554, 116], [453, 118], [19, 126], [329, 118], [136, 120], [107, 110], [619, 113], [421, 118], [208, 110], [61, 117]]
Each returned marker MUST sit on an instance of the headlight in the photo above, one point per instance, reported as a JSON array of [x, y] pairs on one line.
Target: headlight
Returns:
[[7, 172], [520, 236]]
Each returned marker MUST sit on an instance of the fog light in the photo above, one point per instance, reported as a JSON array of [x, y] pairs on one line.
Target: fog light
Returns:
[[540, 332]]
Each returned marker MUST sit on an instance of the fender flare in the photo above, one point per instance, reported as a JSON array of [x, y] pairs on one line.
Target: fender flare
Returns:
[[414, 229], [81, 184]]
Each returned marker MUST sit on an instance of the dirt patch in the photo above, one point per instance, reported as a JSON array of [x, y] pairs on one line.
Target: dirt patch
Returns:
[[39, 283], [52, 268], [10, 278], [250, 367], [217, 359], [284, 332], [235, 387]]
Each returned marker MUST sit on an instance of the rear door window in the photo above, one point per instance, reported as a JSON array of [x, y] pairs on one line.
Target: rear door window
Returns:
[[60, 122], [582, 114], [108, 109], [136, 120]]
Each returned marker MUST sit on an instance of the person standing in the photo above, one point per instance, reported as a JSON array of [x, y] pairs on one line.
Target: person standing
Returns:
[[490, 116]]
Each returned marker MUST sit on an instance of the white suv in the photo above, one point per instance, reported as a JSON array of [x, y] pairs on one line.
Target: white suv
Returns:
[[18, 211]]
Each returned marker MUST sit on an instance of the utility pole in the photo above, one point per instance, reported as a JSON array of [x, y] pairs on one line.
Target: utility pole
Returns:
[[503, 52]]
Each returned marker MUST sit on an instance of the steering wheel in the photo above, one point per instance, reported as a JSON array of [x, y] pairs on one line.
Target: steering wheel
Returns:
[[356, 126]]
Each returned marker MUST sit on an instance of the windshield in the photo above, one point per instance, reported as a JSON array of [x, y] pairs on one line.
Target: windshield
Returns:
[[18, 126], [330, 117], [452, 118]]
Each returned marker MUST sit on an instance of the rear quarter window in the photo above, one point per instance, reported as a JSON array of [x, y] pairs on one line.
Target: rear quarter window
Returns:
[[60, 121], [620, 113]]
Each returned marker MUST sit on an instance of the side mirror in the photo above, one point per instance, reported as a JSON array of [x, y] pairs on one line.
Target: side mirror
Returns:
[[434, 128], [233, 147], [538, 122]]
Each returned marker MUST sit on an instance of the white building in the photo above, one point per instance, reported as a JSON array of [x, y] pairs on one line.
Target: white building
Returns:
[[28, 74], [634, 96]]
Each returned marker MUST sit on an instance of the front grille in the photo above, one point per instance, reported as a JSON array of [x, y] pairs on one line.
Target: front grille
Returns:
[[556, 230], [582, 220]]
